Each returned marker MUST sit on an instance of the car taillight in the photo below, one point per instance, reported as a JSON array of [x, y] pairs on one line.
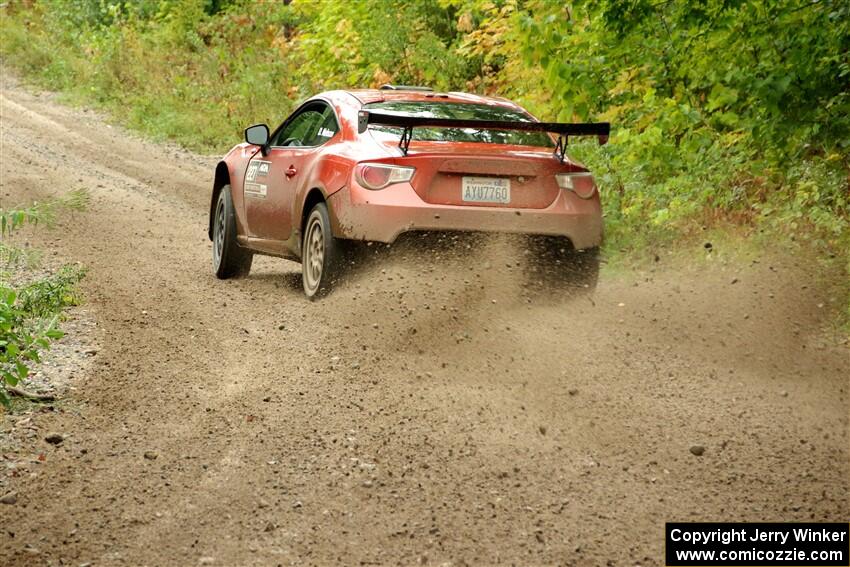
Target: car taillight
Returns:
[[579, 182], [377, 176]]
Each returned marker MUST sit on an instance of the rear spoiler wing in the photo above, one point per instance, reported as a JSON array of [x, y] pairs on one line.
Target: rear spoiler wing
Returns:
[[564, 130]]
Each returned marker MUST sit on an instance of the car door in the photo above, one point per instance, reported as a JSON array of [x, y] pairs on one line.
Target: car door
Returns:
[[272, 181]]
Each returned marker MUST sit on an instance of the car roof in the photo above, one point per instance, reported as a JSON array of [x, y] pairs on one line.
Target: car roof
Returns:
[[368, 96]]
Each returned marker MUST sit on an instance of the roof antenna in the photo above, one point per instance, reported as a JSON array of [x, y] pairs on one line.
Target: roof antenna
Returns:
[[389, 87]]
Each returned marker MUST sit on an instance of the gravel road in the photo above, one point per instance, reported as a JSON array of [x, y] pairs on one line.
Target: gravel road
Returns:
[[430, 412]]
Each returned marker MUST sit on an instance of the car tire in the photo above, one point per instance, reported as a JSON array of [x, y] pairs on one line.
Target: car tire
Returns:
[[559, 267], [320, 254], [229, 259]]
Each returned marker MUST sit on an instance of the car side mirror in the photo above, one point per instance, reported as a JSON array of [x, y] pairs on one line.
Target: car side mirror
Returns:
[[258, 135]]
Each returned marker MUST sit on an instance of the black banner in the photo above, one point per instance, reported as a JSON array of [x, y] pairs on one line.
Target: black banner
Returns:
[[757, 544]]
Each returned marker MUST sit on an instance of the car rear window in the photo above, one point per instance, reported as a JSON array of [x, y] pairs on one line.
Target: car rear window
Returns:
[[461, 111]]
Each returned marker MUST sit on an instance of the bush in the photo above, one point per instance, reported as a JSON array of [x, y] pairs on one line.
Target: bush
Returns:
[[30, 313]]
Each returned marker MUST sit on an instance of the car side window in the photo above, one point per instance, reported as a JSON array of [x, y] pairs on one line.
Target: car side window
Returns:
[[313, 126], [327, 128]]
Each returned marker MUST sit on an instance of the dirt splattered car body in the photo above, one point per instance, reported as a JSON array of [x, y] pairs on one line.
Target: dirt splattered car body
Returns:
[[357, 153]]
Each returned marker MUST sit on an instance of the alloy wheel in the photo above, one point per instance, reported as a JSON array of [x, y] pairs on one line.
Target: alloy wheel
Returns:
[[314, 255]]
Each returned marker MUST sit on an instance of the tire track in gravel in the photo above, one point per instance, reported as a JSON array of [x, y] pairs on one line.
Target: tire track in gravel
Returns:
[[408, 418]]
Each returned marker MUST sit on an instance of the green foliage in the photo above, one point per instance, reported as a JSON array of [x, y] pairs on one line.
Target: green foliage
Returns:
[[30, 313], [714, 105], [41, 212], [46, 297], [29, 321], [19, 342], [370, 43], [36, 213]]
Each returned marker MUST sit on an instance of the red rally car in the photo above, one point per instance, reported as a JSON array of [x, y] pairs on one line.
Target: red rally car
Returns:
[[370, 165]]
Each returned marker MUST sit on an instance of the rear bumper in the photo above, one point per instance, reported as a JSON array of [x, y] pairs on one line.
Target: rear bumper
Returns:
[[381, 216]]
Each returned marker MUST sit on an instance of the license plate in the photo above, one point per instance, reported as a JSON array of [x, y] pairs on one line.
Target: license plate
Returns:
[[486, 190]]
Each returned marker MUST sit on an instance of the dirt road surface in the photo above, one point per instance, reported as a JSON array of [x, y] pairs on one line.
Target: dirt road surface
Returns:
[[428, 413]]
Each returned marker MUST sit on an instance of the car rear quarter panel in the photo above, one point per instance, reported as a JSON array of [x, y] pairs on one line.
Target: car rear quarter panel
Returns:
[[329, 172], [334, 166]]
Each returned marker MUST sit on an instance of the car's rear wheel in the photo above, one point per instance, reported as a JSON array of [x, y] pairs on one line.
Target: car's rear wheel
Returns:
[[320, 254], [229, 259], [554, 263]]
